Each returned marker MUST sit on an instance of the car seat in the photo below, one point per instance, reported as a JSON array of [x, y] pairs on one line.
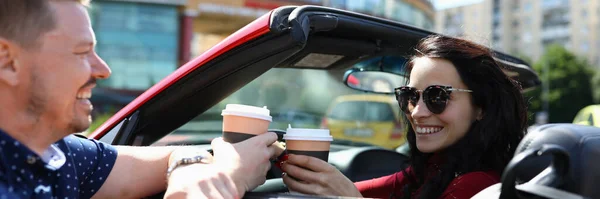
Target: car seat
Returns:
[[552, 161]]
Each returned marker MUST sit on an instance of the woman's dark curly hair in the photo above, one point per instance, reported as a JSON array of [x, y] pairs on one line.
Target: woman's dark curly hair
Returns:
[[491, 141]]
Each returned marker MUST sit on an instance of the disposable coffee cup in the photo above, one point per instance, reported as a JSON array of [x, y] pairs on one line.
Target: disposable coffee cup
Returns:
[[309, 142], [241, 122]]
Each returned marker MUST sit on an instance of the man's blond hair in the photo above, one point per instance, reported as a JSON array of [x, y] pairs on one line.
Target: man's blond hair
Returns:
[[24, 21]]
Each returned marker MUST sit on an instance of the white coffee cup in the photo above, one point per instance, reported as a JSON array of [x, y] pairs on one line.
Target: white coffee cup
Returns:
[[241, 122], [310, 142]]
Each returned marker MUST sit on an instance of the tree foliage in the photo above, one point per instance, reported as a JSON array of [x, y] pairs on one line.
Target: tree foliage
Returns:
[[569, 84], [596, 87]]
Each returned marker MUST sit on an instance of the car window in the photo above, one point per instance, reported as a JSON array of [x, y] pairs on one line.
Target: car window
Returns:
[[300, 98], [362, 111]]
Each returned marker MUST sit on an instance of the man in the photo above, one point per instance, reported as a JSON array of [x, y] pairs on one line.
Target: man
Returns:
[[48, 68]]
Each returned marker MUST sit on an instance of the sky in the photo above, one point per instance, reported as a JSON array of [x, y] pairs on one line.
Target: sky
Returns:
[[443, 4]]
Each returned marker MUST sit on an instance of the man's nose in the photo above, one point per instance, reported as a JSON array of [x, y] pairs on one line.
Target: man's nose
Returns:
[[420, 110], [100, 69]]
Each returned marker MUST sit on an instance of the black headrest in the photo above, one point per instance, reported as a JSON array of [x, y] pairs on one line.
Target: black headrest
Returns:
[[582, 143]]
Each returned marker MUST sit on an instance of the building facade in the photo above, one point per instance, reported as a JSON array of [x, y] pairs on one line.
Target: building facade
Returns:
[[470, 21], [213, 20], [527, 27], [138, 39], [143, 41]]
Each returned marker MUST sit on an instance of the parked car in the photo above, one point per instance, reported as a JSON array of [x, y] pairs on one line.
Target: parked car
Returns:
[[589, 115], [370, 118], [313, 49]]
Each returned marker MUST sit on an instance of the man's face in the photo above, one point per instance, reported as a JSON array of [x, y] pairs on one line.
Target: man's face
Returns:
[[61, 72]]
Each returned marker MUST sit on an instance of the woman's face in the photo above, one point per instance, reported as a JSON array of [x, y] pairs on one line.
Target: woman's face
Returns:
[[435, 132]]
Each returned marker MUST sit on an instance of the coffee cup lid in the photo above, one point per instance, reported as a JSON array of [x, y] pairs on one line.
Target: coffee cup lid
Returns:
[[307, 134], [247, 111]]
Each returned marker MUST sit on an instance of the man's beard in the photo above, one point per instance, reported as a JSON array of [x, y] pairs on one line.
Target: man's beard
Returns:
[[38, 106]]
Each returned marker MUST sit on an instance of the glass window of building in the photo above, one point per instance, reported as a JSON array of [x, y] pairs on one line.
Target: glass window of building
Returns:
[[584, 47], [527, 7], [428, 25], [405, 13], [419, 18], [139, 42], [341, 4], [371, 7], [377, 7], [400, 11]]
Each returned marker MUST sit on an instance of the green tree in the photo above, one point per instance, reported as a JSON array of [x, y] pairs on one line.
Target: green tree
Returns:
[[596, 87], [569, 84], [97, 121]]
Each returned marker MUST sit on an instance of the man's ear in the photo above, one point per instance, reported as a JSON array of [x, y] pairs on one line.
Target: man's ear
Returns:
[[9, 66]]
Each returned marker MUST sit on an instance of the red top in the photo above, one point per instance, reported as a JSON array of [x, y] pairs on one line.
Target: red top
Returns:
[[463, 186]]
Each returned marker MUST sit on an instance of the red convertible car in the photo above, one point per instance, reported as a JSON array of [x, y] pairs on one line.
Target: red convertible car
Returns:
[[295, 61]]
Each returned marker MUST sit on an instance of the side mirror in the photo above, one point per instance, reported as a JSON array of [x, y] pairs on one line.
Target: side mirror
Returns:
[[373, 81]]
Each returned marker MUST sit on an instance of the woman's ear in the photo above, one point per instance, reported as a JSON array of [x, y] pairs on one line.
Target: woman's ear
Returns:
[[479, 114]]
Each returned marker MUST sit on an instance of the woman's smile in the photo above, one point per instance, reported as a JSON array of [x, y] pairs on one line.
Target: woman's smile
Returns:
[[428, 130]]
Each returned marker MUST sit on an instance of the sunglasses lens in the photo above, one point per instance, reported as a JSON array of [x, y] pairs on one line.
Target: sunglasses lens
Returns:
[[407, 99], [435, 98]]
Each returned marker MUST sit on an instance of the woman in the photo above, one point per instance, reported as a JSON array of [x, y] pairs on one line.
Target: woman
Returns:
[[466, 117]]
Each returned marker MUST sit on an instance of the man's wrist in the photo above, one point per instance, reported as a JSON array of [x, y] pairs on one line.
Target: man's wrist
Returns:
[[186, 156], [186, 152], [186, 161], [210, 173]]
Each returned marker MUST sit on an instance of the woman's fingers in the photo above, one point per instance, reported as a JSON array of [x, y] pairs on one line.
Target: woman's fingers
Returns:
[[314, 176], [301, 187], [302, 174], [308, 162]]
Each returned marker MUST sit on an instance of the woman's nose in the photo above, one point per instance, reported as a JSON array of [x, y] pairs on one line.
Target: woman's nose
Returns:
[[420, 110]]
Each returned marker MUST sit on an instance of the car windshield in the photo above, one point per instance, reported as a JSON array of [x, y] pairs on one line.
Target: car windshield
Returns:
[[303, 98]]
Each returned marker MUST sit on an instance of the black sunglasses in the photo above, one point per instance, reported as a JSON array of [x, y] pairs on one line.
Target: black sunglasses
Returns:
[[435, 97]]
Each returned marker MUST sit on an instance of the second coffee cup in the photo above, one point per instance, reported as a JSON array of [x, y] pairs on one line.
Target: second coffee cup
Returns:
[[241, 122], [309, 142]]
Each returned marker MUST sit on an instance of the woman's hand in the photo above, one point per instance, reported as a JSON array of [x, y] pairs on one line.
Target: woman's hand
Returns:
[[317, 177]]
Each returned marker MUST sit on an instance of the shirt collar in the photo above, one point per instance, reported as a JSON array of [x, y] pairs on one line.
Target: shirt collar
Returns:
[[12, 150], [54, 158]]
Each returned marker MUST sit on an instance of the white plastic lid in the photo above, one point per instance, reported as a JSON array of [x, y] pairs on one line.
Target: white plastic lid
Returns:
[[307, 134], [248, 111]]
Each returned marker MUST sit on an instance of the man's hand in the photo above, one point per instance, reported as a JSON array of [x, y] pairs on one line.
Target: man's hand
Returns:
[[246, 162], [235, 169], [201, 181]]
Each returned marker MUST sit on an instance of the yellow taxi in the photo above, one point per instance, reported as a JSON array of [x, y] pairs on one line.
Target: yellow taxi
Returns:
[[589, 115], [366, 118]]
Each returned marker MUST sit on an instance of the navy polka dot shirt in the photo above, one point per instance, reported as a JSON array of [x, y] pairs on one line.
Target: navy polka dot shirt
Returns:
[[73, 167]]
